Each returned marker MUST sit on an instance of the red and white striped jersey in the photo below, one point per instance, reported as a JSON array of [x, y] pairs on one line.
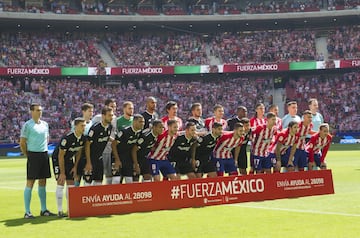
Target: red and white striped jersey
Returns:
[[303, 131], [162, 146], [225, 144], [209, 122], [285, 139], [255, 122], [178, 119], [316, 145], [278, 124], [261, 140]]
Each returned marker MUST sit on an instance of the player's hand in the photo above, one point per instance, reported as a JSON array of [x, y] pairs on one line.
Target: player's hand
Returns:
[[290, 166], [88, 167], [323, 165], [236, 163], [73, 171], [62, 178], [117, 164], [137, 168], [311, 165]]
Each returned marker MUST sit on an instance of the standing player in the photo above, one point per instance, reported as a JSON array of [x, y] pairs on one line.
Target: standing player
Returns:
[[284, 147], [158, 155], [127, 118], [259, 117], [87, 110], [275, 109], [317, 118], [144, 144], [150, 113], [218, 117], [106, 156], [97, 139], [205, 146], [242, 158], [181, 154], [305, 128], [292, 114], [171, 110], [262, 137], [196, 117], [318, 146], [34, 140], [241, 112], [122, 146], [223, 158], [70, 145]]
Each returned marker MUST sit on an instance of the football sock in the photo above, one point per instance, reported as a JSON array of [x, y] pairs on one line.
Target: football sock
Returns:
[[116, 179], [109, 180], [42, 196], [128, 179], [59, 197], [27, 198], [77, 183]]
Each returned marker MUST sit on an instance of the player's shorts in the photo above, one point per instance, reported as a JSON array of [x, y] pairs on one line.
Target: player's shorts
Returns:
[[242, 159], [300, 159], [225, 165], [97, 168], [144, 165], [69, 165], [38, 165], [127, 165], [81, 164], [261, 162], [182, 166], [205, 165], [107, 163], [316, 158], [163, 166], [284, 158]]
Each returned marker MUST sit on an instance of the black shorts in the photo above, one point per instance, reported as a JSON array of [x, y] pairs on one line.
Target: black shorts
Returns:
[[242, 159], [69, 165], [38, 165], [182, 166], [205, 165], [127, 166], [97, 168], [81, 165], [144, 165]]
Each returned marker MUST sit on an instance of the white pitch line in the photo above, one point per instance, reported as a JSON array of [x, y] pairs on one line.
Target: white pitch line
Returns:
[[297, 210]]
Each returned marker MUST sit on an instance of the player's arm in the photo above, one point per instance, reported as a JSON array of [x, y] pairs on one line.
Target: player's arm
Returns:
[[323, 155], [290, 165], [62, 176], [23, 145], [134, 157], [77, 159], [88, 166], [193, 152], [236, 154], [278, 156], [311, 153], [115, 153]]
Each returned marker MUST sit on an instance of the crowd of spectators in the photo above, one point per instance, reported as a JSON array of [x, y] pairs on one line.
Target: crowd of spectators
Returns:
[[337, 94], [49, 49], [157, 49], [265, 46], [338, 97], [344, 43], [178, 8]]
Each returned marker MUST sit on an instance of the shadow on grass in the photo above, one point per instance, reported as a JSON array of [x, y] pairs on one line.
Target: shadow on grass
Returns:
[[37, 220]]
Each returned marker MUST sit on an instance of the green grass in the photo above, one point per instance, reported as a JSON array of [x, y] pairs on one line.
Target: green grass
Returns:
[[329, 216]]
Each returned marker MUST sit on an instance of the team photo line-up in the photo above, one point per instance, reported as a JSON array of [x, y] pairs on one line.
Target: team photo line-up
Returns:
[[132, 146]]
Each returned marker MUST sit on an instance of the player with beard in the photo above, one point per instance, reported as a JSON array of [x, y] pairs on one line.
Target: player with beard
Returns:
[[241, 112], [150, 113], [196, 117]]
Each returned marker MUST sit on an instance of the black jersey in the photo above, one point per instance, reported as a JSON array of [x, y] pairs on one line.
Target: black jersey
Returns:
[[98, 136], [145, 142], [206, 145], [231, 123], [149, 118], [180, 151], [199, 124], [70, 144], [126, 139]]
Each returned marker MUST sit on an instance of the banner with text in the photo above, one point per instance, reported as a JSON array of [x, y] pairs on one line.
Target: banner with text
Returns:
[[266, 67], [30, 71], [142, 70], [140, 197], [355, 63]]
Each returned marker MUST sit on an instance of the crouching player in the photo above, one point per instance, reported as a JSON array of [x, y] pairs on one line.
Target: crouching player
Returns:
[[63, 164], [318, 146]]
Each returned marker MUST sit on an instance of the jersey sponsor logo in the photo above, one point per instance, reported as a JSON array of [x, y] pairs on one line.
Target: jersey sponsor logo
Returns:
[[63, 142], [73, 149], [103, 139]]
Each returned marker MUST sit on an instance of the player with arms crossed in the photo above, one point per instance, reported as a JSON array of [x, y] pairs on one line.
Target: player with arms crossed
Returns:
[[158, 155], [203, 154], [223, 158], [144, 144], [318, 146], [63, 164]]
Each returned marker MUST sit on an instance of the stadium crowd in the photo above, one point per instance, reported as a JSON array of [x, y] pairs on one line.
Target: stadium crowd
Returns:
[[62, 99]]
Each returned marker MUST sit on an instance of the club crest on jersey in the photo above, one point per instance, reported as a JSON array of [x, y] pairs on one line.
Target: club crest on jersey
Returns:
[[120, 133], [140, 141], [91, 133], [200, 139]]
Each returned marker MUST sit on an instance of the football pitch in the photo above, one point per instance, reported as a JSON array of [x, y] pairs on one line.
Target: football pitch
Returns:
[[336, 215]]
